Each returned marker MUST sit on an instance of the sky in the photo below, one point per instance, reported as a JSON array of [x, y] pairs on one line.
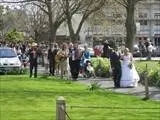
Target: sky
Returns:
[[11, 5]]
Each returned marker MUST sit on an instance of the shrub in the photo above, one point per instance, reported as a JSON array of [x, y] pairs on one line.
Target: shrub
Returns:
[[152, 72], [94, 86], [154, 78], [101, 66], [14, 35]]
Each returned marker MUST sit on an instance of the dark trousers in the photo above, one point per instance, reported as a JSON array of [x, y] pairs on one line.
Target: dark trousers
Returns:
[[117, 75], [52, 67], [33, 66], [75, 67]]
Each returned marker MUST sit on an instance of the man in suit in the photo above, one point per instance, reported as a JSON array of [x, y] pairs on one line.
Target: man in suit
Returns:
[[106, 49], [116, 67], [51, 57]]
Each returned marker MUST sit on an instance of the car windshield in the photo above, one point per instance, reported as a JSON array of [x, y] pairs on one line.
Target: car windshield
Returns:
[[7, 53]]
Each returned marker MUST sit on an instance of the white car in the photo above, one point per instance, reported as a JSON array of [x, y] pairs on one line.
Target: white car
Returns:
[[9, 60]]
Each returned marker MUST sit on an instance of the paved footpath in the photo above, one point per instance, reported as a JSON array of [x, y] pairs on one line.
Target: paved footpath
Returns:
[[138, 91]]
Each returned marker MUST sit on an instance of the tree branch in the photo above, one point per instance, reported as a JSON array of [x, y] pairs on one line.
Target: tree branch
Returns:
[[124, 3], [45, 11]]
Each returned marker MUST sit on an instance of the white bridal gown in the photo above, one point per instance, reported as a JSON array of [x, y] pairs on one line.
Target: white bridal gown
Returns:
[[129, 76]]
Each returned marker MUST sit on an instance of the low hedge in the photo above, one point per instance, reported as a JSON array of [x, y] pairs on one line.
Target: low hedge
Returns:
[[152, 72], [149, 70], [101, 66]]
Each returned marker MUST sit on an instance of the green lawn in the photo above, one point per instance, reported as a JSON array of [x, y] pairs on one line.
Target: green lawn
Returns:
[[22, 98]]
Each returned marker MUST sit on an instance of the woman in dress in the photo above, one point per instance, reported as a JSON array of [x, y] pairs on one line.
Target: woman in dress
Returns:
[[63, 62], [129, 76]]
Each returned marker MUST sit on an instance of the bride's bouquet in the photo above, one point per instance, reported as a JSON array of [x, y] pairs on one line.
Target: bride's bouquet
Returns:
[[130, 65]]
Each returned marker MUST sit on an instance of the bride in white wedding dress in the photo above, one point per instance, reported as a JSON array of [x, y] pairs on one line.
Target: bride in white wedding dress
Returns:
[[129, 76]]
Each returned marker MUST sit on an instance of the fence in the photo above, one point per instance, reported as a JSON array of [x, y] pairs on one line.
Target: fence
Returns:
[[62, 113]]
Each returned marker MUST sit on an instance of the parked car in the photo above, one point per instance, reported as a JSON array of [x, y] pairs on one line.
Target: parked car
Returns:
[[9, 60]]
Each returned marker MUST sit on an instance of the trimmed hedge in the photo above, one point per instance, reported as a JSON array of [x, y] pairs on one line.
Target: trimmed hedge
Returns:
[[101, 66], [149, 70]]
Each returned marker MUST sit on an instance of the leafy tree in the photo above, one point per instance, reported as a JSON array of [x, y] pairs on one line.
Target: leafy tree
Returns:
[[14, 36]]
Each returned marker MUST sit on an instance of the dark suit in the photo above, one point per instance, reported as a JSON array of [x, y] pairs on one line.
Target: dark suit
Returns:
[[116, 68], [74, 63], [106, 50], [51, 58], [33, 55]]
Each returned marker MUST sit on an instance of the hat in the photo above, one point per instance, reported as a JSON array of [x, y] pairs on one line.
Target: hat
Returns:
[[106, 41], [34, 44]]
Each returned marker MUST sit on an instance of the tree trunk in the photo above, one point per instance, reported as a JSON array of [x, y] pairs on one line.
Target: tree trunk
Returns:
[[36, 35], [71, 30], [52, 30], [130, 26]]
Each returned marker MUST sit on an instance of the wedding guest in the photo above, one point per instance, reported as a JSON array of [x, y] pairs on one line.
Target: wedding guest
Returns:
[[33, 56], [75, 57]]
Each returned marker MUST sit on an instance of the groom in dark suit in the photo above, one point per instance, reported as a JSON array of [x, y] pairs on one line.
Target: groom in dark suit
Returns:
[[116, 67]]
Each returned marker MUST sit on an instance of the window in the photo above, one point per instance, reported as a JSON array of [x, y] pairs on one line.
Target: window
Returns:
[[157, 23], [143, 22], [8, 53], [157, 15], [142, 15], [157, 41]]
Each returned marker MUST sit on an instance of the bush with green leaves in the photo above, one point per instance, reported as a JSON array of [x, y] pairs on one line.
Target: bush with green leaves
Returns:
[[94, 85], [149, 70], [101, 66], [14, 36]]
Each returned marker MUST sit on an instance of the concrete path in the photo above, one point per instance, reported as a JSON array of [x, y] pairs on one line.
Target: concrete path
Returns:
[[138, 91]]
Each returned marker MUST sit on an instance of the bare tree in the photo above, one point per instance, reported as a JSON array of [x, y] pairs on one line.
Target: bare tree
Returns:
[[55, 14], [82, 7], [52, 9], [129, 5], [12, 18], [37, 22]]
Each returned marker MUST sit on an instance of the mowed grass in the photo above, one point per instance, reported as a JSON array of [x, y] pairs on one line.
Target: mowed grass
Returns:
[[23, 98]]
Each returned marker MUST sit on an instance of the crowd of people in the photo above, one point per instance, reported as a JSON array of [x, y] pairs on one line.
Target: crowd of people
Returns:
[[67, 60], [146, 49]]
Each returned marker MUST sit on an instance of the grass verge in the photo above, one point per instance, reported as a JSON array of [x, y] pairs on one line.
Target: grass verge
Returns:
[[23, 98]]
